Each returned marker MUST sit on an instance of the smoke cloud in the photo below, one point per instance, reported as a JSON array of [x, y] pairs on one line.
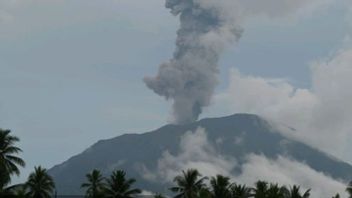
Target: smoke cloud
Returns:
[[190, 77], [196, 151], [206, 27]]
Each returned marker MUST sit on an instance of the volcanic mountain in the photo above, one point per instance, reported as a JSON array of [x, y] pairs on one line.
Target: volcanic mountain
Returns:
[[128, 152]]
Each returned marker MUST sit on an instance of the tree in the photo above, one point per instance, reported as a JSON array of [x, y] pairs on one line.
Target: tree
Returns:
[[9, 161], [220, 187], [95, 184], [275, 191], [205, 193], [241, 191], [349, 189], [295, 192], [118, 186], [261, 189], [189, 184], [40, 184]]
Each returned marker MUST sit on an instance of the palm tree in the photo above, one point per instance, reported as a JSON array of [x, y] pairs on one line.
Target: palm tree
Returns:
[[95, 185], [275, 191], [295, 192], [261, 189], [205, 193], [349, 189], [189, 184], [4, 181], [9, 162], [241, 191], [221, 187], [40, 184], [118, 186]]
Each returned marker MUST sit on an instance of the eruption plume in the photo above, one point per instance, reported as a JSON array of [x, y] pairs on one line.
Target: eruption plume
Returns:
[[190, 77]]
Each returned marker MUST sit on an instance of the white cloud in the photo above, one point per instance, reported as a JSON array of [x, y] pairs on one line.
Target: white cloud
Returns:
[[197, 152], [322, 115]]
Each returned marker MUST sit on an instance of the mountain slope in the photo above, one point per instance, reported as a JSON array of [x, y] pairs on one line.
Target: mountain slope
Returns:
[[129, 151]]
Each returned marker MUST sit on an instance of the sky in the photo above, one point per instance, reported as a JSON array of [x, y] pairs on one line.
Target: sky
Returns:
[[72, 72]]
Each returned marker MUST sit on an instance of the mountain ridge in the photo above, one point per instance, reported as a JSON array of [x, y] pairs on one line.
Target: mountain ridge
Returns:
[[128, 150]]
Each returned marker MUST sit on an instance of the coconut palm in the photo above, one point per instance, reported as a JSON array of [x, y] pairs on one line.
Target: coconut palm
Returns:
[[189, 184], [295, 192], [118, 186], [261, 189], [205, 193], [4, 181], [40, 184], [349, 189], [220, 187], [95, 185], [241, 191], [276, 191], [9, 161]]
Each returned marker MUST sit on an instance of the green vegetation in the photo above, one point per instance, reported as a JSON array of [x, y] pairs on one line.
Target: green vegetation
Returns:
[[39, 184], [189, 184], [95, 184], [9, 161], [118, 186]]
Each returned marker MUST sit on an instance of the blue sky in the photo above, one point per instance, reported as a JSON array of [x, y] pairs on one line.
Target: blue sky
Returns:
[[71, 73]]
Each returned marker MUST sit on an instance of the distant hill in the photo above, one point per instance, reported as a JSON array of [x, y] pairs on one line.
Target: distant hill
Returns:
[[127, 151]]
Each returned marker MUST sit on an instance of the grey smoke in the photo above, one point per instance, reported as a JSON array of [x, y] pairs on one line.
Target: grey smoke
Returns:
[[190, 77]]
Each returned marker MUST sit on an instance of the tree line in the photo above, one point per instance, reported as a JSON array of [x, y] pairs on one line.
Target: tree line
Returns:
[[189, 184]]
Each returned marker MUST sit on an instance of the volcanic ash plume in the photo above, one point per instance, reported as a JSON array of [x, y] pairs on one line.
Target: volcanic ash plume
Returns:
[[190, 77]]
